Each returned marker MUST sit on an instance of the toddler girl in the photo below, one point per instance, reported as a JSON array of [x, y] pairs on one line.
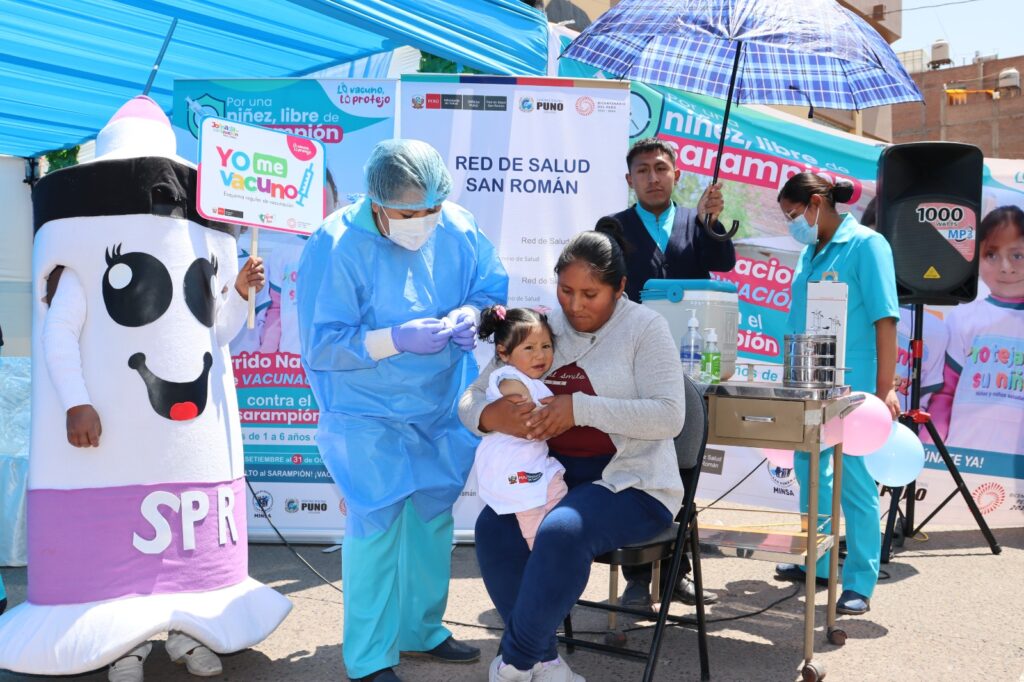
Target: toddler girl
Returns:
[[516, 475]]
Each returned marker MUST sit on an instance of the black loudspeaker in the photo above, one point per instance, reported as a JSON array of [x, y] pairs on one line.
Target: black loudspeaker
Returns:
[[928, 202]]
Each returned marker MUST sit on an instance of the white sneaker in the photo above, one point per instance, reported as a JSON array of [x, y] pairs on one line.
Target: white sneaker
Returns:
[[509, 673], [198, 659], [128, 668], [556, 671]]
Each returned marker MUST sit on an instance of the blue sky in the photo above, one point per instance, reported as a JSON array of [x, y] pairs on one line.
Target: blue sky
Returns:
[[988, 26]]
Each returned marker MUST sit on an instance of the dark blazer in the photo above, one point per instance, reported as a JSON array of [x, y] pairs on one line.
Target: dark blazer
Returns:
[[690, 254]]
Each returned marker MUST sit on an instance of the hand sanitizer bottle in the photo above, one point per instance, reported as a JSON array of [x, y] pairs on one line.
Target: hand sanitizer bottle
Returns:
[[690, 348], [711, 359]]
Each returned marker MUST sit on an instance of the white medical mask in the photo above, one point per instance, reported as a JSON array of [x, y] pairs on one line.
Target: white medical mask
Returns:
[[802, 231], [412, 233]]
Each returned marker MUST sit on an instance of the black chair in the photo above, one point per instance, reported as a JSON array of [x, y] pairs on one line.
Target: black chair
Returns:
[[690, 453]]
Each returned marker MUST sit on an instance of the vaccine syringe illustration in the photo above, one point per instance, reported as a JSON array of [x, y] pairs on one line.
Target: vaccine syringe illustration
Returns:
[[307, 181]]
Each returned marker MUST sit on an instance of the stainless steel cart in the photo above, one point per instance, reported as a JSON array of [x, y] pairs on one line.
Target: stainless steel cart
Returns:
[[752, 414]]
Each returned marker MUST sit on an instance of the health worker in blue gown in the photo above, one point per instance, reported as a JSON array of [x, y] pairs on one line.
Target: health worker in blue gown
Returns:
[[388, 301]]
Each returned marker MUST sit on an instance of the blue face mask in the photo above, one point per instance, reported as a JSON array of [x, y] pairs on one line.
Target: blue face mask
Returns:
[[802, 231]]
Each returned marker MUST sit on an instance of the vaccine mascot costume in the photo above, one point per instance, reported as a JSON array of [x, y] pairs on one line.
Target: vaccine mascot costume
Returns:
[[145, 533]]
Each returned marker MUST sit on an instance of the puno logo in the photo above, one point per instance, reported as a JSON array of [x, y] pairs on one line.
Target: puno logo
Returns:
[[291, 505], [526, 104]]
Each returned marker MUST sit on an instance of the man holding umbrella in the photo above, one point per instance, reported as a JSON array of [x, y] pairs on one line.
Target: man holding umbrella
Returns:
[[667, 242]]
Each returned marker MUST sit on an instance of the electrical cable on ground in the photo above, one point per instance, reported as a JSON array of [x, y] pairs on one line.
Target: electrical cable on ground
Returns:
[[686, 623], [263, 509]]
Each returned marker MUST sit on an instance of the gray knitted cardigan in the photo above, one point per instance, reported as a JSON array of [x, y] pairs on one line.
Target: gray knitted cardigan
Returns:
[[634, 368]]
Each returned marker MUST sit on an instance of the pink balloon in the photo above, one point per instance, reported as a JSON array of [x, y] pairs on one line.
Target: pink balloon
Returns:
[[780, 458], [867, 428]]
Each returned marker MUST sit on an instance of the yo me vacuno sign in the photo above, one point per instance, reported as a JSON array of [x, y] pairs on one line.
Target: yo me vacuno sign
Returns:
[[259, 177]]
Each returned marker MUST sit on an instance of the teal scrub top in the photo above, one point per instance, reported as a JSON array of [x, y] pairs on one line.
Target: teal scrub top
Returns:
[[863, 260]]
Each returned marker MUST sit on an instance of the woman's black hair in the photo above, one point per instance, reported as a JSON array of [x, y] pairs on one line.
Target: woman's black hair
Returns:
[[801, 187], [510, 326], [998, 217], [602, 249]]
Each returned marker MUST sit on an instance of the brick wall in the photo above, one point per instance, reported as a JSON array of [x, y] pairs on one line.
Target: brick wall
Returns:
[[996, 126]]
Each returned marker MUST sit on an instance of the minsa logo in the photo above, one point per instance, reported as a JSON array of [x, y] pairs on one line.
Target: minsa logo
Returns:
[[782, 477], [989, 496], [418, 102], [526, 104], [528, 477], [585, 106], [291, 505], [264, 501], [433, 100]]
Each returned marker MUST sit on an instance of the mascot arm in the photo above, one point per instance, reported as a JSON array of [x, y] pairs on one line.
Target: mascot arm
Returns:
[[232, 310], [62, 327]]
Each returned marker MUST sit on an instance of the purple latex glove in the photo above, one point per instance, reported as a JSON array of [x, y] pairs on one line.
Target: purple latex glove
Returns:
[[424, 336], [464, 330]]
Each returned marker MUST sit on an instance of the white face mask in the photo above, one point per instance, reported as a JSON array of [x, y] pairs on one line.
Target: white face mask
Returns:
[[412, 233]]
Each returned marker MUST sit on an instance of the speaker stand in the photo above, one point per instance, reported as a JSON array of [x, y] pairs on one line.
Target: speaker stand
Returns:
[[914, 418]]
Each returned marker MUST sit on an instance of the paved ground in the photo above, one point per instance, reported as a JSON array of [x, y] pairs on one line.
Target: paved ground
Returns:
[[949, 610]]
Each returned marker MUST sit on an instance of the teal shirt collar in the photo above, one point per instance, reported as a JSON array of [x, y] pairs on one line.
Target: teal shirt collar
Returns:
[[846, 230], [660, 227]]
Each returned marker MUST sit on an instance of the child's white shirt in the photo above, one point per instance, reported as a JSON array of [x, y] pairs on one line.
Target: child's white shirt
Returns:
[[986, 341], [513, 473]]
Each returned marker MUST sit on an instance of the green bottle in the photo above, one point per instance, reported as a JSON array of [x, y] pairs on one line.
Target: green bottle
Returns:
[[711, 359]]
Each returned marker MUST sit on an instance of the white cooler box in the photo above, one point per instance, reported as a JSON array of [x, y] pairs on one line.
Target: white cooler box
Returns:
[[716, 304]]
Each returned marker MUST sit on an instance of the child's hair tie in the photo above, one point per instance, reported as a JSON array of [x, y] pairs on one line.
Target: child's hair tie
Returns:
[[542, 309], [499, 312]]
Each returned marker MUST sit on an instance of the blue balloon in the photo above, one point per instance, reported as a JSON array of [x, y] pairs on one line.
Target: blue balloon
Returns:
[[899, 461]]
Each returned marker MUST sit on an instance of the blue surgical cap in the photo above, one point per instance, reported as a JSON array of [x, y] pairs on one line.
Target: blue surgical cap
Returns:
[[407, 174]]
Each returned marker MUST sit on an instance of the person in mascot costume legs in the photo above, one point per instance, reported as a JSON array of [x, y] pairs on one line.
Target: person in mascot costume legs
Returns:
[[137, 517]]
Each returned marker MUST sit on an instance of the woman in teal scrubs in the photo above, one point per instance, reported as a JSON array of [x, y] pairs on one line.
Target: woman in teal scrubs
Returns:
[[862, 258]]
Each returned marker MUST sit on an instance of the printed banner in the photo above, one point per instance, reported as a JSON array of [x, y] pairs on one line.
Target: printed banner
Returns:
[[524, 161], [522, 154], [277, 409], [260, 177]]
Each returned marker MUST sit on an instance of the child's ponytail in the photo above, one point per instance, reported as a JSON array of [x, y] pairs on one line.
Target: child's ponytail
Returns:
[[492, 319]]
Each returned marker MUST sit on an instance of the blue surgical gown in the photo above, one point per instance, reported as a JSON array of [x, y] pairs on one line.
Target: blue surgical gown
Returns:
[[388, 429]]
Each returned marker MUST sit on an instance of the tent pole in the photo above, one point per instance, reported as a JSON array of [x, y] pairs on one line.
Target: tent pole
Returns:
[[160, 57], [721, 146]]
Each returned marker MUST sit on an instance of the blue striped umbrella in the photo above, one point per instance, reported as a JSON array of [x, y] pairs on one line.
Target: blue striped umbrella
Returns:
[[797, 52]]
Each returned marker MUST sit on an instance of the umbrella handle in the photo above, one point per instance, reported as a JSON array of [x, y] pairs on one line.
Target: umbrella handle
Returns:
[[720, 236]]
